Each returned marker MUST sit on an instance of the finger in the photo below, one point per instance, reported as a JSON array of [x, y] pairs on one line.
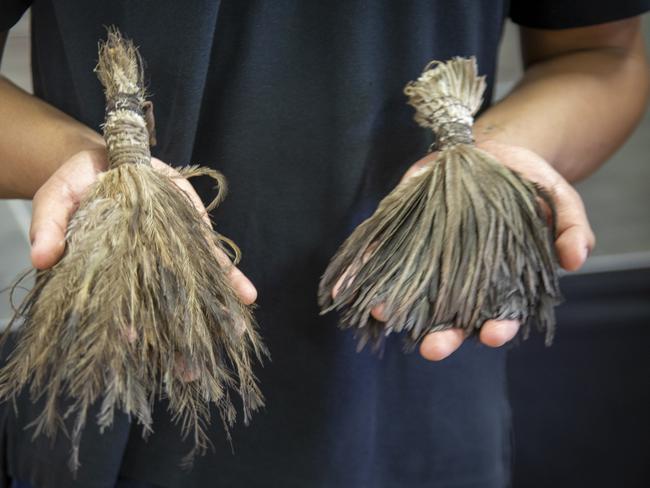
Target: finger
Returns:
[[184, 369], [575, 238], [130, 334], [190, 192], [184, 185], [241, 284], [378, 312], [439, 345], [52, 207], [495, 333]]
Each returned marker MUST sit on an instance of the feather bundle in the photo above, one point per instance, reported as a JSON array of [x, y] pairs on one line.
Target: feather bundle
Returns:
[[462, 241], [138, 295]]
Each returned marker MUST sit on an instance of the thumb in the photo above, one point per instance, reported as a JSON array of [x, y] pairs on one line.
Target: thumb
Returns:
[[56, 201], [52, 207], [575, 238]]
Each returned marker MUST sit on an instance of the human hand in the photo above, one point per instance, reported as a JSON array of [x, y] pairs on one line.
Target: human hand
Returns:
[[57, 200], [574, 241]]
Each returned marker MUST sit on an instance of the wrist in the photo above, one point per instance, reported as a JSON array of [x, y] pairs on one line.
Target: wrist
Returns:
[[84, 142], [96, 154]]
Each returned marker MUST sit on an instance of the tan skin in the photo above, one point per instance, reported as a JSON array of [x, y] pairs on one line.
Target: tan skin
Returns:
[[582, 93]]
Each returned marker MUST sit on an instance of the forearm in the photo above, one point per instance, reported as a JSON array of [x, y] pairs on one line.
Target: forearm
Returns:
[[574, 109], [35, 140]]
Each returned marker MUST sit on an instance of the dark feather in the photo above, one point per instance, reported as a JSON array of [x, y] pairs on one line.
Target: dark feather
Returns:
[[462, 241]]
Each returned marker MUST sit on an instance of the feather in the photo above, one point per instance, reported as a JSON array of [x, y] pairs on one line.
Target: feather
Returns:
[[462, 241], [138, 287]]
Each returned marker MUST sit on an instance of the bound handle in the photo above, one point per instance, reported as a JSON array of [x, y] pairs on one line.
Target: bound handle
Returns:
[[445, 97], [129, 123]]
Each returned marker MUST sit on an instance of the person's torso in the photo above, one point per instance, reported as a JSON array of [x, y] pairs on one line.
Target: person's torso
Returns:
[[300, 105]]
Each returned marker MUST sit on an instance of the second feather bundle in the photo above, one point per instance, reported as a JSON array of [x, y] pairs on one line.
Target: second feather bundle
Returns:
[[462, 241]]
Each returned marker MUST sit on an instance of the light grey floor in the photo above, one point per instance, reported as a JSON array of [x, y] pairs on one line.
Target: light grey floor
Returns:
[[617, 197]]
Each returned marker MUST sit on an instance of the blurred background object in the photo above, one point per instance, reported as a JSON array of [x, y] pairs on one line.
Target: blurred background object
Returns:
[[15, 215], [581, 408]]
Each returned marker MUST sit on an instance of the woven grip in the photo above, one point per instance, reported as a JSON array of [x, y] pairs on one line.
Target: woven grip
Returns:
[[446, 96], [128, 124]]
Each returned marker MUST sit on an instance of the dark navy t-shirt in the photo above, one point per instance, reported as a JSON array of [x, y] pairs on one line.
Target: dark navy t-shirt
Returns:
[[300, 105]]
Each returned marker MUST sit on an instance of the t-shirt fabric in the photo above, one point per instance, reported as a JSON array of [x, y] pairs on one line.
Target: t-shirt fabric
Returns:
[[300, 105]]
